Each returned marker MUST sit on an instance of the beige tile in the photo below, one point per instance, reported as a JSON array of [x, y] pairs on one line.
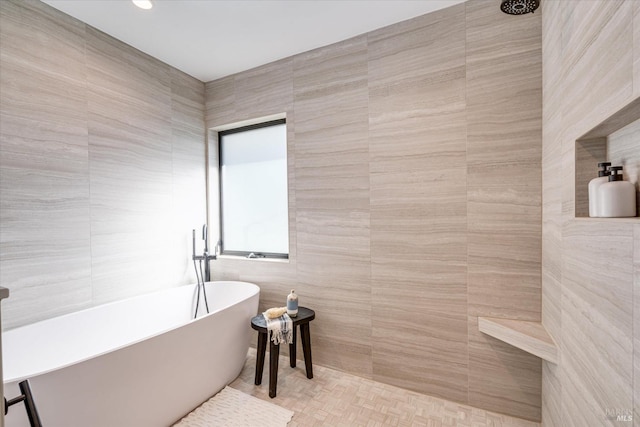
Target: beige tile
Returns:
[[130, 123], [331, 107], [622, 150], [419, 301], [636, 320], [188, 172], [418, 269], [417, 138], [264, 90], [502, 377], [187, 101], [504, 151], [587, 59], [552, 182], [44, 203], [380, 195], [503, 155], [97, 140], [588, 154], [423, 47], [341, 399], [220, 102], [417, 95], [597, 320], [598, 64], [552, 412], [333, 273], [503, 85], [420, 341], [636, 48], [504, 241]]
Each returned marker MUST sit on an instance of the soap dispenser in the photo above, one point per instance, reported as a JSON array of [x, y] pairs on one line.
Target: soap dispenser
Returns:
[[594, 184], [616, 198]]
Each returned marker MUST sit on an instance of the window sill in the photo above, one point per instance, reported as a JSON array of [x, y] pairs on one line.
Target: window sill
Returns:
[[243, 258]]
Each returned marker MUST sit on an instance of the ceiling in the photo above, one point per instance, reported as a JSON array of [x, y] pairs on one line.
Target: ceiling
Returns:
[[209, 39]]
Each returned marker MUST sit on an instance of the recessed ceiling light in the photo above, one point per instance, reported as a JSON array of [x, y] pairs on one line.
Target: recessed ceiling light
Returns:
[[143, 4]]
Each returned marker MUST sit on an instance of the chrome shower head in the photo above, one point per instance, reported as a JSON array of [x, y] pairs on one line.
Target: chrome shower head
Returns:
[[519, 7]]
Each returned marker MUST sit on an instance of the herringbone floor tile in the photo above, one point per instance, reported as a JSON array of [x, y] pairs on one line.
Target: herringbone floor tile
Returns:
[[338, 399]]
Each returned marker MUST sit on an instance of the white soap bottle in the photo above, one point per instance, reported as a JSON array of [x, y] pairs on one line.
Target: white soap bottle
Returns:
[[594, 184], [616, 198]]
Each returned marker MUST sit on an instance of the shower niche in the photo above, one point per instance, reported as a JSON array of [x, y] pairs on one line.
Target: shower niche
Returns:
[[615, 140]]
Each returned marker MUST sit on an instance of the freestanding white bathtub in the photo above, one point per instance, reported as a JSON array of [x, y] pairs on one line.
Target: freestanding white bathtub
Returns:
[[138, 362]]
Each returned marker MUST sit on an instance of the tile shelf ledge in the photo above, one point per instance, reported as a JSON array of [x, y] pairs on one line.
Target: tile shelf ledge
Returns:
[[531, 337]]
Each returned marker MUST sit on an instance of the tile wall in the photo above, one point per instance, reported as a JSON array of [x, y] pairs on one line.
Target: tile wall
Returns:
[[102, 166], [414, 174], [415, 199], [589, 266]]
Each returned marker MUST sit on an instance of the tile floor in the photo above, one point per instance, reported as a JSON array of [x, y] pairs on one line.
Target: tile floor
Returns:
[[334, 399]]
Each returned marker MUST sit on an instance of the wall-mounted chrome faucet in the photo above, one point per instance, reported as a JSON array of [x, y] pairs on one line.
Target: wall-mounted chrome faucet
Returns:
[[206, 256]]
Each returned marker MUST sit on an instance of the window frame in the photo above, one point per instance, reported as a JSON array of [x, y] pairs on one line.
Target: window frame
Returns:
[[247, 254]]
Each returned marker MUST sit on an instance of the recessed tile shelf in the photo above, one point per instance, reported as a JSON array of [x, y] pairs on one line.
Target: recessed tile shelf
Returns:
[[531, 337], [617, 140]]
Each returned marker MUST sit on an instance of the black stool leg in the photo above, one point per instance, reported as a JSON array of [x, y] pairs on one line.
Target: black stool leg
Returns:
[[29, 404], [262, 348], [292, 349], [306, 348], [274, 353], [32, 412]]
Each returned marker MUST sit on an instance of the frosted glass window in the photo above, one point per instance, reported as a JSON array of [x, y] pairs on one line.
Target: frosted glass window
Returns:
[[253, 190]]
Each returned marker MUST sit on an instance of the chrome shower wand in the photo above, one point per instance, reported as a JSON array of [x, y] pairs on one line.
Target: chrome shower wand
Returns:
[[201, 277]]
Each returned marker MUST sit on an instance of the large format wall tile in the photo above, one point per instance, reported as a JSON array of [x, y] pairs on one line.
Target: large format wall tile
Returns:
[[219, 102], [130, 168], [622, 149], [264, 90], [378, 174], [102, 150], [188, 171], [332, 146], [332, 198], [636, 321], [552, 183], [598, 62], [636, 48], [418, 204], [502, 377], [597, 310], [44, 208], [588, 57], [504, 110], [380, 195]]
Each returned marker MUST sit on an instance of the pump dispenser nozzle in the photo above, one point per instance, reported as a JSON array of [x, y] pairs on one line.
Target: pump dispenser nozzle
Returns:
[[604, 166], [614, 174]]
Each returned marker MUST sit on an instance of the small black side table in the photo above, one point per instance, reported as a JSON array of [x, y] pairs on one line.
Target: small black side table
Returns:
[[305, 315]]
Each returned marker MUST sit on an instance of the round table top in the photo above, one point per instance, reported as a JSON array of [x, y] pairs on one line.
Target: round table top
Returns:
[[305, 315]]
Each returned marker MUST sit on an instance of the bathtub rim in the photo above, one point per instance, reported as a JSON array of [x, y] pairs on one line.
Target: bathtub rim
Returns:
[[255, 290]]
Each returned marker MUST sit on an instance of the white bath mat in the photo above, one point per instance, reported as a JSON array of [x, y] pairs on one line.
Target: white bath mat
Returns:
[[231, 407]]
